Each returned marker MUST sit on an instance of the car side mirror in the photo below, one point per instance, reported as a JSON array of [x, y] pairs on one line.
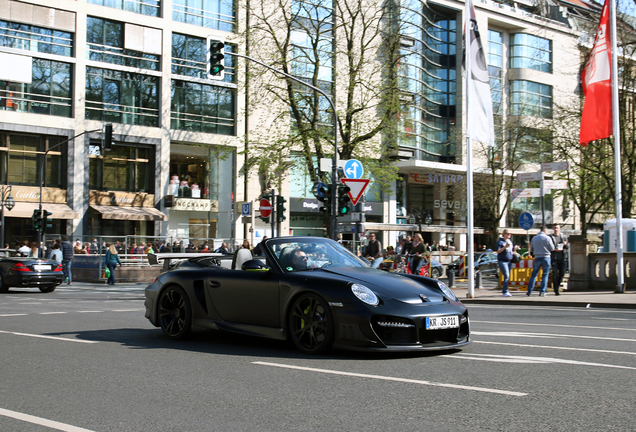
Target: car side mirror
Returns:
[[254, 265]]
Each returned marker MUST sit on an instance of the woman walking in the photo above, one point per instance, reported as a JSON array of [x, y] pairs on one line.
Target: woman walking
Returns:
[[110, 261]]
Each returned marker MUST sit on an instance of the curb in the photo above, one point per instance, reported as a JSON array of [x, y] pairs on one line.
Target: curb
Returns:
[[579, 304]]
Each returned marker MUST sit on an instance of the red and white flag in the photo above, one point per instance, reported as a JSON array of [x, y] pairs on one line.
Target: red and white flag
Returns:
[[596, 122]]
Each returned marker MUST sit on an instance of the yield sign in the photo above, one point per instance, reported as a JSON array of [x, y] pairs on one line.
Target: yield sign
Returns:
[[357, 187], [266, 207]]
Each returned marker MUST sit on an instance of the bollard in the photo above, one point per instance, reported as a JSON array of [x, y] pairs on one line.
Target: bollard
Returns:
[[451, 279], [478, 279]]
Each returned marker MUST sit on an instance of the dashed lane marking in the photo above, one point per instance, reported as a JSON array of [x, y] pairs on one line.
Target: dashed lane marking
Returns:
[[526, 359], [48, 337], [386, 378], [554, 347], [41, 421], [568, 326], [549, 336]]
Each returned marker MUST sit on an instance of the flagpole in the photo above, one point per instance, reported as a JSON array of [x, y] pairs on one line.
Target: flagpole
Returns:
[[470, 265], [620, 287]]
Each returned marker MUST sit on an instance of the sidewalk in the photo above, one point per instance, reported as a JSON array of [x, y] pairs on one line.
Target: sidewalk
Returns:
[[490, 293]]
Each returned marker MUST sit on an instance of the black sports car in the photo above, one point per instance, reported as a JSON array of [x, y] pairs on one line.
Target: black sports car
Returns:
[[310, 290], [30, 272]]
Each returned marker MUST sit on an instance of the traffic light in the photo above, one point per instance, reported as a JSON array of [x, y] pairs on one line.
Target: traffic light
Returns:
[[217, 56], [108, 136], [46, 221], [324, 195], [37, 219], [343, 199], [280, 208]]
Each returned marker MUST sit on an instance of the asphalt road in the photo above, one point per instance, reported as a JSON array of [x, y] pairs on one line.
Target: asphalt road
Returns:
[[86, 359]]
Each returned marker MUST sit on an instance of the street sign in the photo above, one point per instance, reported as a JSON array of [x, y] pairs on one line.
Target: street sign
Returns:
[[525, 193], [533, 176], [353, 169], [357, 187], [555, 166], [526, 221], [555, 184], [316, 190], [246, 209], [327, 163], [266, 207]]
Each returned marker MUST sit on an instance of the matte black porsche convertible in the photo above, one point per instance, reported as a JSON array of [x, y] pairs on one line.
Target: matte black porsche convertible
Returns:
[[310, 290]]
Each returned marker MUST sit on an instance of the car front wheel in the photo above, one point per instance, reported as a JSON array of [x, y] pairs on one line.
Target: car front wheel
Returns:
[[311, 324], [175, 313], [436, 273]]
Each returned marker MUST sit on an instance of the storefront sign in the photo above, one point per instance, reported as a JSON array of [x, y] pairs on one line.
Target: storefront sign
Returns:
[[193, 204], [32, 194], [436, 178], [121, 199]]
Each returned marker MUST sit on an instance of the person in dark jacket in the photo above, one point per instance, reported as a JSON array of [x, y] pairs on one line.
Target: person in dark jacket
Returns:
[[67, 258], [111, 260]]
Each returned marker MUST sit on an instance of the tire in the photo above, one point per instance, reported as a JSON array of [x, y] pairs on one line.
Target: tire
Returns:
[[48, 288], [175, 313], [311, 325], [3, 288], [436, 273]]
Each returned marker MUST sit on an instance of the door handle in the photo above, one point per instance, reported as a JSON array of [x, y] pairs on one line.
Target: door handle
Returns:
[[214, 284]]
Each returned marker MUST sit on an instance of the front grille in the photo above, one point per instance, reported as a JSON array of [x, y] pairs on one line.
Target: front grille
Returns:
[[444, 336], [394, 330]]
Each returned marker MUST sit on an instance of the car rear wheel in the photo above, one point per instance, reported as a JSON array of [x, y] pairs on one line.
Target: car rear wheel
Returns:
[[311, 324], [3, 288], [175, 313], [436, 273], [48, 288]]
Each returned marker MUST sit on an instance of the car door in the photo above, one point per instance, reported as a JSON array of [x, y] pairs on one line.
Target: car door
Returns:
[[246, 297]]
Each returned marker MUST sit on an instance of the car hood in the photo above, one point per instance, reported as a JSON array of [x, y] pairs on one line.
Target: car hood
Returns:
[[391, 285]]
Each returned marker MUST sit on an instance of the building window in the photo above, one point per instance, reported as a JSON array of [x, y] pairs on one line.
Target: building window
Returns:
[[144, 7], [530, 52], [20, 158], [202, 108], [49, 92], [189, 58], [123, 168], [533, 146], [36, 39], [531, 99], [122, 97], [106, 44], [495, 69], [214, 14]]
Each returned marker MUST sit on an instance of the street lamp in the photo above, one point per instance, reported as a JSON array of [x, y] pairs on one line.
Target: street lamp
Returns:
[[6, 200]]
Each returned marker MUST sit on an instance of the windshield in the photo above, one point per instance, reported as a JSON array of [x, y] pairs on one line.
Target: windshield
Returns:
[[298, 254]]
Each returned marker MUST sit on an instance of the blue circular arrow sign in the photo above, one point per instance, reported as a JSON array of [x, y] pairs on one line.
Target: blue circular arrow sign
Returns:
[[353, 169]]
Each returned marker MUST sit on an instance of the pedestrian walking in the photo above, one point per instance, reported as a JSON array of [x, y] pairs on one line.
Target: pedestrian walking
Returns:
[[541, 247], [558, 257], [110, 261], [374, 251], [67, 258], [504, 256]]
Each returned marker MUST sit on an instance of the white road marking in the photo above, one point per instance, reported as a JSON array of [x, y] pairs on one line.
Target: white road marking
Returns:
[[91, 311], [526, 359], [51, 313], [555, 347], [42, 421], [614, 319], [385, 378], [554, 325], [548, 336], [48, 337], [10, 315]]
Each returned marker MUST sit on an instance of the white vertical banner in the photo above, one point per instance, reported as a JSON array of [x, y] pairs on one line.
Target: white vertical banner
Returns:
[[481, 126]]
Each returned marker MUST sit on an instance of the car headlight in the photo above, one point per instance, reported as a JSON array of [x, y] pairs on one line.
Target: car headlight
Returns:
[[447, 291], [365, 294]]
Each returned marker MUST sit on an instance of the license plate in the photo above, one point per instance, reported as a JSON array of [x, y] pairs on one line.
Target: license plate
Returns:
[[41, 267], [437, 323]]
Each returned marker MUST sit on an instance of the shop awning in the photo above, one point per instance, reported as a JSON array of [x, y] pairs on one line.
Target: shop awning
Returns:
[[25, 210], [420, 228], [130, 213]]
